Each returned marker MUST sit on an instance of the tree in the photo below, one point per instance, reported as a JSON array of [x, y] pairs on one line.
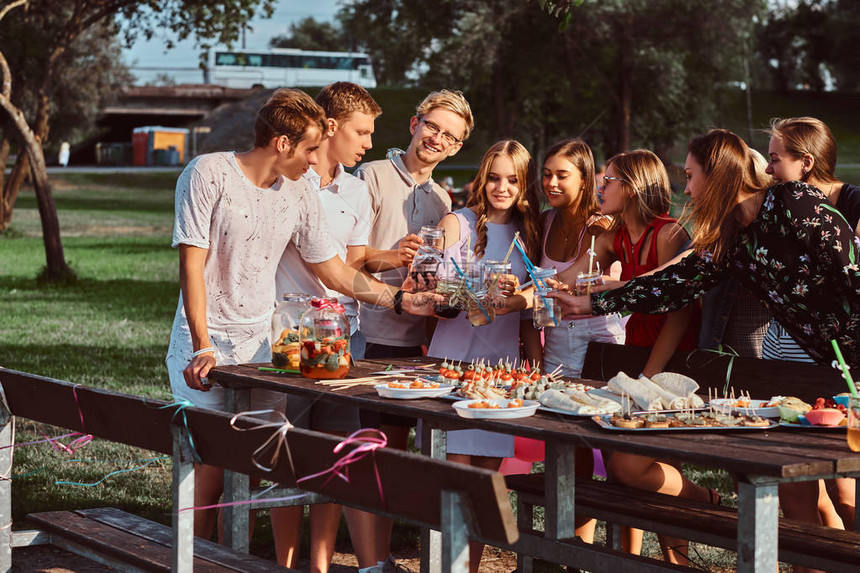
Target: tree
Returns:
[[309, 34], [619, 72], [69, 21]]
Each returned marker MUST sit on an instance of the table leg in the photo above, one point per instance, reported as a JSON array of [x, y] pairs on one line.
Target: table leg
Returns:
[[758, 525], [456, 524], [183, 496], [7, 435], [434, 443], [237, 486], [560, 479]]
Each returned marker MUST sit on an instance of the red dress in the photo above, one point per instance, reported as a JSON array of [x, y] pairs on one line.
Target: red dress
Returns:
[[643, 329]]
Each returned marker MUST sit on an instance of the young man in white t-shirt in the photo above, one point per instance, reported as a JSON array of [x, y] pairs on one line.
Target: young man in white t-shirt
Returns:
[[350, 115], [235, 215]]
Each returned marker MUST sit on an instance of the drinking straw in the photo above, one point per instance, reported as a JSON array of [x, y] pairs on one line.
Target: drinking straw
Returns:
[[505, 260], [590, 267], [511, 248], [466, 284], [530, 270], [591, 256], [844, 367]]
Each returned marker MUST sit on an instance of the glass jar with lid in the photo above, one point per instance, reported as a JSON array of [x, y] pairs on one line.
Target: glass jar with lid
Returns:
[[324, 339], [285, 330]]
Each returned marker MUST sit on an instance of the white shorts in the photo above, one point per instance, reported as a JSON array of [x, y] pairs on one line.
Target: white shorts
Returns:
[[566, 343], [214, 399]]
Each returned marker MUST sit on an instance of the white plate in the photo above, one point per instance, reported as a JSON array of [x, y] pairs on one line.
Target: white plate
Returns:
[[412, 393], [756, 407], [528, 408]]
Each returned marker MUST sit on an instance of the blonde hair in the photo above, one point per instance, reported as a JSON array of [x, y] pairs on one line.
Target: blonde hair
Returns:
[[526, 210], [645, 183], [807, 135], [288, 112], [579, 154], [453, 101], [341, 99], [730, 169]]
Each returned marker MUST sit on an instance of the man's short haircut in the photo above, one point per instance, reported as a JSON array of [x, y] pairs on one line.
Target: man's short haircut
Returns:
[[453, 101], [341, 99], [288, 112]]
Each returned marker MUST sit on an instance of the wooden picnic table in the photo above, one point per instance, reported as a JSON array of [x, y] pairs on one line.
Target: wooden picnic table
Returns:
[[759, 460]]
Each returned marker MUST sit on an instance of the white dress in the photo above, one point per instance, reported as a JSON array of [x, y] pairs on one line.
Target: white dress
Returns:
[[457, 339]]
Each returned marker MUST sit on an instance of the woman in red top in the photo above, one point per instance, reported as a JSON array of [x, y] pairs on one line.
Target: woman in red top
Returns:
[[636, 193]]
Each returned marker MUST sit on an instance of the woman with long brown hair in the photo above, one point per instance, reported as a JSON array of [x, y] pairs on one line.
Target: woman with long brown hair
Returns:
[[503, 201]]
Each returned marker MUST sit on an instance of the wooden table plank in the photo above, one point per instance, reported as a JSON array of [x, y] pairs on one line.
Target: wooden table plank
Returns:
[[782, 452]]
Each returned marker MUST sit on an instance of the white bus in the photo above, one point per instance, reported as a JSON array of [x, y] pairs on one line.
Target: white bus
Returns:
[[289, 68]]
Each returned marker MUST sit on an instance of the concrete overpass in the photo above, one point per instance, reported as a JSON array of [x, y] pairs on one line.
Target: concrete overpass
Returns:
[[169, 106]]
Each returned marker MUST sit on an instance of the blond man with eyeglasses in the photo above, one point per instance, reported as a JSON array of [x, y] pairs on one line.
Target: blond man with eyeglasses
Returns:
[[404, 197]]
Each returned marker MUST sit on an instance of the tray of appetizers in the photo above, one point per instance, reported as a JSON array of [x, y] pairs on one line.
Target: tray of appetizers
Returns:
[[682, 421], [500, 409]]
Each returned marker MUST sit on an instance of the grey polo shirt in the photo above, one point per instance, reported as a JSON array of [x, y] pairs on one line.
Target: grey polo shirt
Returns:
[[399, 206]]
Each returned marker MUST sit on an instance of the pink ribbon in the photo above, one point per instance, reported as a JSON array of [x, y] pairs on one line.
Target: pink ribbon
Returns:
[[73, 446], [324, 303], [368, 444], [80, 441]]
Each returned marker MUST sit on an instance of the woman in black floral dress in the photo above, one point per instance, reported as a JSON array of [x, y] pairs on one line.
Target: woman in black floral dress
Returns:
[[787, 244]]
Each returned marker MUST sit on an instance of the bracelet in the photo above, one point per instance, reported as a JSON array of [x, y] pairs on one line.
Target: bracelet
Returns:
[[203, 351], [398, 302]]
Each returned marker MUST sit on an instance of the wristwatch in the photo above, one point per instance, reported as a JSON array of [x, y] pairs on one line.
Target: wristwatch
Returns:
[[398, 302]]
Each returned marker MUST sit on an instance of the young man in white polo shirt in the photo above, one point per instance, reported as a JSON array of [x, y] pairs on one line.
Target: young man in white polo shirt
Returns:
[[235, 215], [350, 114]]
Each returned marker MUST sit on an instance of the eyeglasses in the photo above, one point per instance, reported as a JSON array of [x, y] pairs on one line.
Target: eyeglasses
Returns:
[[608, 178], [448, 138]]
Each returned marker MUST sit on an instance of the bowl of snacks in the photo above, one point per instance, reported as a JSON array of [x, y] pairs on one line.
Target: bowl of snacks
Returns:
[[825, 417]]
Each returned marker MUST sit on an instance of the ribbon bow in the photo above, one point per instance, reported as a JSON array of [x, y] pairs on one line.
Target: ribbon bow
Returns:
[[180, 406], [278, 439], [325, 303], [368, 444]]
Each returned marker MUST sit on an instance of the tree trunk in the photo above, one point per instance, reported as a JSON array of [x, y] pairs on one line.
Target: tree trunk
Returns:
[[625, 83], [11, 188], [5, 149]]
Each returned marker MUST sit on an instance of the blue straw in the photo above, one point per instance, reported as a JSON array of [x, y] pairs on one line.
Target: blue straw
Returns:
[[537, 282], [466, 283]]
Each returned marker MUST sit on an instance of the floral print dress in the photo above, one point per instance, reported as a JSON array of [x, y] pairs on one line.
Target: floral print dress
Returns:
[[798, 256]]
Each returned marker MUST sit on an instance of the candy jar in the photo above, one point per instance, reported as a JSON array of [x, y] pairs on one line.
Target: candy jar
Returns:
[[324, 339], [285, 330]]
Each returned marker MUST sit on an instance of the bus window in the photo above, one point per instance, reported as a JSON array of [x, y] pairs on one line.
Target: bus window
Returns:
[[255, 60]]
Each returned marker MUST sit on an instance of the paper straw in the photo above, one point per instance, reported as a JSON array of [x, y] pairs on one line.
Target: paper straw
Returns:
[[844, 367], [511, 248], [591, 256]]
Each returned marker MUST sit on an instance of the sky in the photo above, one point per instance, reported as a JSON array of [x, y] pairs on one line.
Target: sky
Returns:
[[152, 54]]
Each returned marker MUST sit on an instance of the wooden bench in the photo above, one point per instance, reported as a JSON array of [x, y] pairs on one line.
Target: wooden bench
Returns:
[[801, 543], [460, 501], [122, 540]]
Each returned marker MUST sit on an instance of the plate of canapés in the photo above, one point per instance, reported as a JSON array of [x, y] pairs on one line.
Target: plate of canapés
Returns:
[[412, 389], [497, 409]]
